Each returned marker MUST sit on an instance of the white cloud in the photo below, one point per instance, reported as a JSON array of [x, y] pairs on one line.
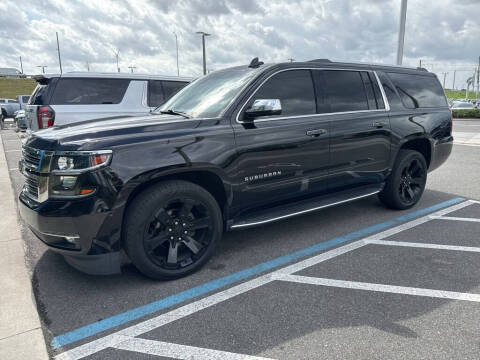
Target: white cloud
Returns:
[[441, 32]]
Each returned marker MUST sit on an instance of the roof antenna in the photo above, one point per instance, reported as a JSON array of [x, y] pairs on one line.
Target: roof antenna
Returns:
[[255, 63]]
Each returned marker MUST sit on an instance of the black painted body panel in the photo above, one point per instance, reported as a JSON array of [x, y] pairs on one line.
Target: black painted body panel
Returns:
[[288, 163]]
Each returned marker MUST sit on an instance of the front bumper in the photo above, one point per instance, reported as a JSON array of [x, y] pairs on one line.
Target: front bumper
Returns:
[[72, 228]]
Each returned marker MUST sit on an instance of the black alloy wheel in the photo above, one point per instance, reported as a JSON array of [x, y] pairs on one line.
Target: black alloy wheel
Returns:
[[171, 229], [412, 181], [178, 233], [405, 185]]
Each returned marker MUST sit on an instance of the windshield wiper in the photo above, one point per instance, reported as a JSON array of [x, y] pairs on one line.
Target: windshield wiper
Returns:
[[175, 112]]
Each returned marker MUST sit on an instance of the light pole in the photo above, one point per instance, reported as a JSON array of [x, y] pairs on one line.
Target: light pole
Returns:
[[204, 56], [444, 78], [59, 56], [401, 31], [43, 68], [116, 55], [21, 64], [478, 79], [176, 45], [291, 59], [131, 68]]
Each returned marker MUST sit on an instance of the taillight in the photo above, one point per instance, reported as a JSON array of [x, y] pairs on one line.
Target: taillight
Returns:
[[45, 117]]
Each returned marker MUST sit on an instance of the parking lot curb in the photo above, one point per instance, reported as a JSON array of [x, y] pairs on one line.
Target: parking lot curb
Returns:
[[21, 335]]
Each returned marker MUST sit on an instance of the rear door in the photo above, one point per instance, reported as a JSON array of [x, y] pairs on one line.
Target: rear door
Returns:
[[360, 136], [282, 156]]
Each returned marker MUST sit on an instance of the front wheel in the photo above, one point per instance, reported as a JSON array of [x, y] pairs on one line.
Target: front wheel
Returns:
[[406, 183], [171, 229]]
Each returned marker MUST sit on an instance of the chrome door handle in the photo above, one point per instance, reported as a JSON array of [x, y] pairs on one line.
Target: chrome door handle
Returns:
[[316, 132], [379, 124]]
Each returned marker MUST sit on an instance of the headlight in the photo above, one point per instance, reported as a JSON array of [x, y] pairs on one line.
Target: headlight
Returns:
[[70, 176], [77, 162]]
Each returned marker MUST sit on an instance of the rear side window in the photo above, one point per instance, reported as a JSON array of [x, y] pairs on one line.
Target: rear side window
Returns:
[[294, 89], [170, 88], [25, 98], [155, 93], [418, 91], [160, 91], [73, 91], [345, 90]]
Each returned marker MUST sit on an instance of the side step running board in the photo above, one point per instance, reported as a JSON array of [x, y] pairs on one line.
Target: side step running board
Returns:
[[304, 206]]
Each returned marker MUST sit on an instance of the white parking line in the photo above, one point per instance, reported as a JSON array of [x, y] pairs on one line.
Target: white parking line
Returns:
[[442, 294], [423, 245], [9, 151], [177, 351], [419, 221], [454, 218], [12, 169], [116, 338]]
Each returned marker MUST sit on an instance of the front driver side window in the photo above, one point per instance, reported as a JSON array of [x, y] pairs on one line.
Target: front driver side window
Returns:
[[294, 89]]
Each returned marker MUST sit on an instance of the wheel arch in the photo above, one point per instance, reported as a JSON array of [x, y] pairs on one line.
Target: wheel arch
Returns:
[[209, 178], [421, 144]]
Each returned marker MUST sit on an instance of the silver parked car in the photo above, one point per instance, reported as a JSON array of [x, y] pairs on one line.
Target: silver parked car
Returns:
[[80, 96], [463, 105]]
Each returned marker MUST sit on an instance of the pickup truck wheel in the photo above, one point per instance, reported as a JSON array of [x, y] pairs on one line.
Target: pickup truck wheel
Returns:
[[406, 184], [172, 229]]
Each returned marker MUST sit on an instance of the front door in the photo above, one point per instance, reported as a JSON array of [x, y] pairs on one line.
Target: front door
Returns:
[[283, 156]]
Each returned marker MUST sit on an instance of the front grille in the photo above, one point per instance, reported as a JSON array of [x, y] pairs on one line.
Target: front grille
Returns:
[[31, 158], [31, 185], [36, 166]]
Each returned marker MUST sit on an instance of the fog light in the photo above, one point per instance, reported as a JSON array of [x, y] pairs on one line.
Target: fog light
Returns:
[[68, 182]]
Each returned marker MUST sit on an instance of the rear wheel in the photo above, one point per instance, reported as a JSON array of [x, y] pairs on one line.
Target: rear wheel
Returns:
[[406, 184], [172, 229]]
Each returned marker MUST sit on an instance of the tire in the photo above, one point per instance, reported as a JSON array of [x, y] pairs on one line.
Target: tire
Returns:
[[171, 229], [406, 183]]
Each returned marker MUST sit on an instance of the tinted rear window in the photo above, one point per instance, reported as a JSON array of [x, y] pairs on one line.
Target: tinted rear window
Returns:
[[160, 91], [345, 90], [89, 91], [25, 98], [155, 93], [170, 88], [417, 91]]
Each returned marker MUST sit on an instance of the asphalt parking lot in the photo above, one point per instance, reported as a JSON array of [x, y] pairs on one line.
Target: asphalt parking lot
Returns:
[[356, 281]]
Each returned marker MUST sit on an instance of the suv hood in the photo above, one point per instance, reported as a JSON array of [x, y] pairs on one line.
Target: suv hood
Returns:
[[96, 134]]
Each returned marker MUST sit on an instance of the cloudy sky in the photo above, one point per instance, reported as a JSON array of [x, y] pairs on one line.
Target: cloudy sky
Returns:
[[445, 34]]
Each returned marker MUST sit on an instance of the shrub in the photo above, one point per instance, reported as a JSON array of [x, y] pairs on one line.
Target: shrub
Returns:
[[466, 113]]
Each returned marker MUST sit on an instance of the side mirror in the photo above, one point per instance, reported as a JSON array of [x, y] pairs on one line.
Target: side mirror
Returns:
[[263, 107]]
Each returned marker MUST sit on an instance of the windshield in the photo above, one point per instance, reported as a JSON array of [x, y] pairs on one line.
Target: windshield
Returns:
[[208, 96]]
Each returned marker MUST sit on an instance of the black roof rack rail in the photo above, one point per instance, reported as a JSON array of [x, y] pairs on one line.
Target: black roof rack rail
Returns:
[[321, 60]]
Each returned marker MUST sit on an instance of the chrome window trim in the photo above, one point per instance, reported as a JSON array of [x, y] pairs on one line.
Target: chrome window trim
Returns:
[[387, 106], [382, 91]]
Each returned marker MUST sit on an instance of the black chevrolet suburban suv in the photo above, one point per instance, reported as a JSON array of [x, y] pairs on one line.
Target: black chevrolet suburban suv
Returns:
[[239, 147]]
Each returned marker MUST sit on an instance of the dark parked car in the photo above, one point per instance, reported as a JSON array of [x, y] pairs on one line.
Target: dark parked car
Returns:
[[240, 147]]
